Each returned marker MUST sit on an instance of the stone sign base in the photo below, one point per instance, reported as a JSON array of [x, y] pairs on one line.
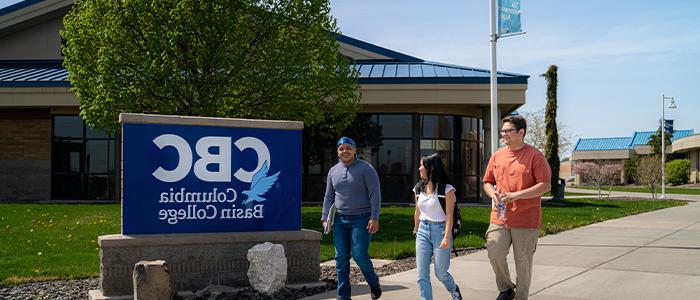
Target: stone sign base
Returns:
[[201, 259]]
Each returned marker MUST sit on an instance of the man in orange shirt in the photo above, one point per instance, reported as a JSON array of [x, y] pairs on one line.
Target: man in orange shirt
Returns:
[[517, 175]]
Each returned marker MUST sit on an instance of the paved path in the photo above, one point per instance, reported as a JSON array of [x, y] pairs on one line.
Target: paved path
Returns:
[[655, 255], [633, 194]]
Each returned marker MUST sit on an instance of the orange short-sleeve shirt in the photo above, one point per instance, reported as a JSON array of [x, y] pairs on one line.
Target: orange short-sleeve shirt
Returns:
[[512, 171]]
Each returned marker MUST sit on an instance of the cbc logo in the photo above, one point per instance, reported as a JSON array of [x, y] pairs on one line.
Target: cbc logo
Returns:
[[222, 159]]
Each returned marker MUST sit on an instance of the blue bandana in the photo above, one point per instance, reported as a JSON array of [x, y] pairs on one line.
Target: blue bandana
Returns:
[[346, 140]]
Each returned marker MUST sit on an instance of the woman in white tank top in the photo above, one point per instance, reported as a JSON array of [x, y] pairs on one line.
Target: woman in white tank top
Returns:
[[433, 227]]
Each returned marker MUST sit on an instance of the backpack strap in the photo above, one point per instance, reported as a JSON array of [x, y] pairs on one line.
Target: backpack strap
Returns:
[[441, 197]]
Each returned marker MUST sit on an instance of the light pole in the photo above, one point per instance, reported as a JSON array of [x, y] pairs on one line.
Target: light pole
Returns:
[[671, 105]]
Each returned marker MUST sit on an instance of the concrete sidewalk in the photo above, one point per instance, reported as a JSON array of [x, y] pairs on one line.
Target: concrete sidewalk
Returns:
[[655, 255], [684, 197]]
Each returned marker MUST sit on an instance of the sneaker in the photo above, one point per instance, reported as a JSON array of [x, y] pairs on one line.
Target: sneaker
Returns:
[[376, 291], [508, 294], [456, 295]]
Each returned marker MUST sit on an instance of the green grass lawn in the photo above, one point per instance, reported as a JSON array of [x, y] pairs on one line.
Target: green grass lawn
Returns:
[[45, 241], [641, 189]]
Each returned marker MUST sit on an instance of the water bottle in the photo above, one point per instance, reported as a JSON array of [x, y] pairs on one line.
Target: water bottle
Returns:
[[501, 211]]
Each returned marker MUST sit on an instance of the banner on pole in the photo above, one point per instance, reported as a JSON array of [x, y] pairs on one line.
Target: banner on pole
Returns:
[[668, 125], [509, 17]]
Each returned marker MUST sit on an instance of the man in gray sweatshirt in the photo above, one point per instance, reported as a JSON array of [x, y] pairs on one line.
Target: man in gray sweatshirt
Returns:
[[353, 186]]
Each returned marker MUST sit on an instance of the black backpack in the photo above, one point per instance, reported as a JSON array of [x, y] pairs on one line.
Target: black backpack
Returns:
[[456, 213]]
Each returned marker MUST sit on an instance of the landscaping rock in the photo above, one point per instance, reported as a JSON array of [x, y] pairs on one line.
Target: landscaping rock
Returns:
[[152, 281], [267, 270]]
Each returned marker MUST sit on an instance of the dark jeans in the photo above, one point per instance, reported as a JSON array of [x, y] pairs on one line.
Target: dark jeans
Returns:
[[350, 234]]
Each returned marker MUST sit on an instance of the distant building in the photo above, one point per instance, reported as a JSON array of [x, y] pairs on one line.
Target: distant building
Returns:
[[684, 144]]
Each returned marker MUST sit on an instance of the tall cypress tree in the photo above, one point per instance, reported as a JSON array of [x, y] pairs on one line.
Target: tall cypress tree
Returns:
[[551, 148]]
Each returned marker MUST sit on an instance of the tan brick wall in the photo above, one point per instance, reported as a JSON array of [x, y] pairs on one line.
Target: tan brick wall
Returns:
[[28, 139], [25, 155]]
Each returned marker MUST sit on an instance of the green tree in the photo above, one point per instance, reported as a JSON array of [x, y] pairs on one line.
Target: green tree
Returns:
[[551, 148], [268, 59], [655, 140], [630, 167]]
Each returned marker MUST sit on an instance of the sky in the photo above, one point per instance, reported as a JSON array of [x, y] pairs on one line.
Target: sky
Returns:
[[615, 58]]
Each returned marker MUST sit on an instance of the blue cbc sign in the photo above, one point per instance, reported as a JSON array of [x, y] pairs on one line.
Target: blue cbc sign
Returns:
[[187, 179]]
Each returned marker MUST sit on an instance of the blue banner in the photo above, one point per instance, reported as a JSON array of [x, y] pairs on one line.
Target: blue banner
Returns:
[[508, 17], [668, 125], [187, 179]]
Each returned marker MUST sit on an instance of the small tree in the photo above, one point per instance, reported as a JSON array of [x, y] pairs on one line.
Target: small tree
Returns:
[[598, 173], [655, 140], [630, 168], [678, 171], [649, 172], [537, 135], [551, 148]]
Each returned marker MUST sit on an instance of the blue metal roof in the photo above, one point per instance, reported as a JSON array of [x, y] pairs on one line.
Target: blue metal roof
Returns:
[[623, 143], [378, 72], [52, 73], [613, 143], [17, 6], [38, 73], [642, 137]]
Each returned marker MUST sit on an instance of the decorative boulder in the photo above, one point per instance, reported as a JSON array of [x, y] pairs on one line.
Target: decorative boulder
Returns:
[[267, 272], [152, 281]]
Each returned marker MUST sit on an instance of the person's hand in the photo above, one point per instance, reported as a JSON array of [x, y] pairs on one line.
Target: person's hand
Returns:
[[323, 223], [415, 231], [509, 197], [445, 243], [373, 226], [497, 198]]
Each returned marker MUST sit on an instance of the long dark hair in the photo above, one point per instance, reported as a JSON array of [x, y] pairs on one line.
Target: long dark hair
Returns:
[[436, 171]]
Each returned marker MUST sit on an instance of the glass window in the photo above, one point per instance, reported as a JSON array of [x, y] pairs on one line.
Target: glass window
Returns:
[[67, 155], [100, 187], [98, 156], [436, 127], [83, 161], [67, 186], [470, 129], [394, 157], [68, 127], [396, 188], [442, 147], [470, 159], [396, 126], [94, 133]]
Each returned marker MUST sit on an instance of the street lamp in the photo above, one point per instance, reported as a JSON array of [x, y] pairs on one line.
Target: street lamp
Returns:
[[671, 105]]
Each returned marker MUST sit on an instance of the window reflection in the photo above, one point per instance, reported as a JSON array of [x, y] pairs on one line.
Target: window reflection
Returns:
[[83, 162], [396, 126], [442, 147], [68, 127], [394, 157], [438, 127]]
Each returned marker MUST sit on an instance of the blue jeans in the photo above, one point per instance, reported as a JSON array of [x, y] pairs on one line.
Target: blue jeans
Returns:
[[350, 234], [428, 240]]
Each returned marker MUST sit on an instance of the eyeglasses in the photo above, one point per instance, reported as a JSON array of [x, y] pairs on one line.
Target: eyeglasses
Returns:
[[505, 131]]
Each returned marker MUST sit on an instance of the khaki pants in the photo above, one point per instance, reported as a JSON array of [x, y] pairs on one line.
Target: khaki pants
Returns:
[[524, 241]]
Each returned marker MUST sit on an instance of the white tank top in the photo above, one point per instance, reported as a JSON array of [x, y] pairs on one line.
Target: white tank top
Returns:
[[429, 205]]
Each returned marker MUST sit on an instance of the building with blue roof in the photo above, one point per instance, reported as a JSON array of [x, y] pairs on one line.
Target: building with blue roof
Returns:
[[49, 153], [684, 144]]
